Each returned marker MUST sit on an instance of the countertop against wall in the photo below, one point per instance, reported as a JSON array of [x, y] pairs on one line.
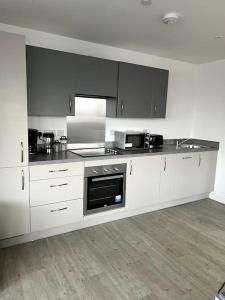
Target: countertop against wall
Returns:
[[169, 147]]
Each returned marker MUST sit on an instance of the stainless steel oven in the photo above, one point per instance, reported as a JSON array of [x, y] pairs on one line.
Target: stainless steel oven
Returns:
[[104, 188]]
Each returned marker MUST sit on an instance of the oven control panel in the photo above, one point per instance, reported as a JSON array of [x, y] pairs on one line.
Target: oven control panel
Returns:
[[105, 170]]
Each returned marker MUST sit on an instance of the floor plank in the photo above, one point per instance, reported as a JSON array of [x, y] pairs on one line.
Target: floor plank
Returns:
[[173, 254]]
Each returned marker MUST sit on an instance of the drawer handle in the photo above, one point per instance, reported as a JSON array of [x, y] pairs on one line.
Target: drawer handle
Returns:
[[63, 170], [22, 152], [165, 164], [23, 180], [55, 210], [56, 185], [187, 157]]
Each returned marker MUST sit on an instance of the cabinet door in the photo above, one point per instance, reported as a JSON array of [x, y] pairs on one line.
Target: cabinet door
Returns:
[[187, 175], [167, 180], [158, 108], [206, 171], [13, 101], [134, 91], [143, 177], [50, 82], [96, 77], [14, 202]]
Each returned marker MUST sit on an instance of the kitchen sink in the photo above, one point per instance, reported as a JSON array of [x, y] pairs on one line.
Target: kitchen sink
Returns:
[[192, 146]]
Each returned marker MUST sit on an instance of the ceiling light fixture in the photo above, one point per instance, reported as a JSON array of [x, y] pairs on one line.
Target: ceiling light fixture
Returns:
[[171, 18], [146, 2]]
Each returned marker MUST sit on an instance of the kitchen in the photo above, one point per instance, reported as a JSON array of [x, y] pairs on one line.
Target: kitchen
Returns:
[[93, 134]]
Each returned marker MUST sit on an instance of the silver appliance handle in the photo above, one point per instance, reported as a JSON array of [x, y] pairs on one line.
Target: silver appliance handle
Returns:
[[131, 167], [58, 185], [107, 178], [22, 152], [55, 210], [70, 104], [122, 107], [63, 170], [200, 161], [23, 180]]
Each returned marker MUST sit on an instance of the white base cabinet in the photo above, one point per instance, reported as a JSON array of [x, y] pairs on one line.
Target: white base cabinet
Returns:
[[14, 202], [57, 214], [143, 179], [186, 175], [167, 179], [195, 173], [206, 172], [56, 195]]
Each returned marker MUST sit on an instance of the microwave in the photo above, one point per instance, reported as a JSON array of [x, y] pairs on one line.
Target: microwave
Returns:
[[131, 140]]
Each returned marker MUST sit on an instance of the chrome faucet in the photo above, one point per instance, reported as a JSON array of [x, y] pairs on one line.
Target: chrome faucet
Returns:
[[180, 143]]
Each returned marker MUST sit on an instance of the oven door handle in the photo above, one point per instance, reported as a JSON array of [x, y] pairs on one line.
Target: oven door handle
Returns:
[[107, 178]]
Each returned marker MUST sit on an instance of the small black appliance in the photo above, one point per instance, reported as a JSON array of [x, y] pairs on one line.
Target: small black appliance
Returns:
[[155, 141], [33, 135]]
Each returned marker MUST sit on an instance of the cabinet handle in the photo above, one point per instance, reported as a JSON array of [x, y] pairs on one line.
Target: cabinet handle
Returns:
[[56, 185], [23, 180], [187, 157], [131, 167], [22, 152], [155, 108], [70, 104], [122, 107], [165, 164], [200, 161], [63, 170], [55, 210]]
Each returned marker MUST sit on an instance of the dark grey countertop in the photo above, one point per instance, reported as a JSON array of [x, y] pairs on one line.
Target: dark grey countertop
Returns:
[[168, 148]]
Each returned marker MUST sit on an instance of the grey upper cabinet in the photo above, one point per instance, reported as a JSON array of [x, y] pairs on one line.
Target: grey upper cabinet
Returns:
[[159, 93], [142, 91], [96, 77], [55, 77], [50, 82]]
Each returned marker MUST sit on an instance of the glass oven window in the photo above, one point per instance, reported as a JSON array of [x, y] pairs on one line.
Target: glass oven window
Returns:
[[104, 191]]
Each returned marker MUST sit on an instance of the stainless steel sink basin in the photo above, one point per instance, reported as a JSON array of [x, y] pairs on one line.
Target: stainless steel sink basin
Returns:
[[192, 146]]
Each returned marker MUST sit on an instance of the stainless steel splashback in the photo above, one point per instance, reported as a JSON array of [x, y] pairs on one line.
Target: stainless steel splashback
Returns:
[[87, 128]]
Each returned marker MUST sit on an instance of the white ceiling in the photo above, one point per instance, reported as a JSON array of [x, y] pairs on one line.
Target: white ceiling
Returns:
[[127, 24]]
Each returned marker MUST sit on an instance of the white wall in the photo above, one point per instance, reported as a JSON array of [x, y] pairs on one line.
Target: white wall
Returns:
[[180, 93], [209, 119]]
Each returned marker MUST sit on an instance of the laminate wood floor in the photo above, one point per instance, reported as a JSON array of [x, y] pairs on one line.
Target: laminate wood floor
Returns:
[[173, 254]]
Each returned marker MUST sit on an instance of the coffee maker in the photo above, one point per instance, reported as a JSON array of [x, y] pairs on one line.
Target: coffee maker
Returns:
[[33, 135]]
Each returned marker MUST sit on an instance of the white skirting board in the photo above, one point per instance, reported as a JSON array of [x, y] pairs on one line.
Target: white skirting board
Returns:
[[96, 219]]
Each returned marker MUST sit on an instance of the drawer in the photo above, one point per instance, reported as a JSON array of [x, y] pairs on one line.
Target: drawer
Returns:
[[56, 170], [59, 214], [56, 190]]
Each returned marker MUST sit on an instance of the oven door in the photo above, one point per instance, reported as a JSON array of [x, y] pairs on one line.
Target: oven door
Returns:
[[104, 193]]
